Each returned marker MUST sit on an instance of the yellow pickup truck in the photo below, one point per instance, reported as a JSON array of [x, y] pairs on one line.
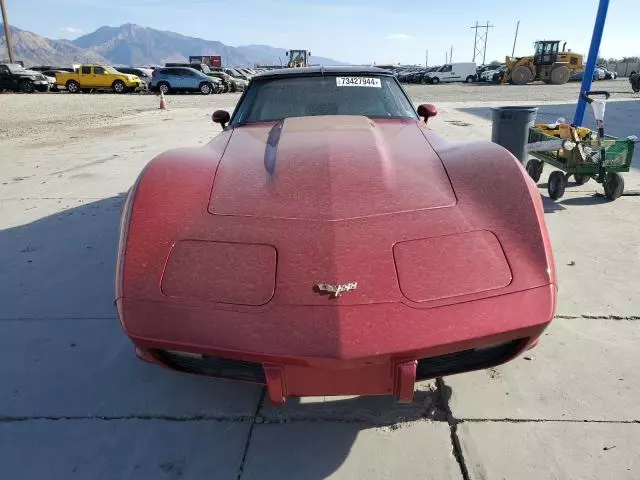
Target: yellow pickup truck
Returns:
[[98, 77]]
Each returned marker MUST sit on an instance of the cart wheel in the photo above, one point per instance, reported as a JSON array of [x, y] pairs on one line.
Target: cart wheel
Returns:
[[534, 169], [581, 178], [613, 185], [556, 185]]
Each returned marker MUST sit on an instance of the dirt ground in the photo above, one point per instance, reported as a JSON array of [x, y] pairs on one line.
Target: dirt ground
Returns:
[[36, 115], [76, 403]]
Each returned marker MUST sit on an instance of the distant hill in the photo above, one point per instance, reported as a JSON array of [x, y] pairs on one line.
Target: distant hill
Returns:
[[131, 44], [33, 49]]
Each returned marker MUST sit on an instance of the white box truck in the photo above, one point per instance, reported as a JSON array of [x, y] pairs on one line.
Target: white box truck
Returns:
[[453, 72]]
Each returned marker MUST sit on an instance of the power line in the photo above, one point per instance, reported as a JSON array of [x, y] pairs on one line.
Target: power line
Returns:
[[480, 41]]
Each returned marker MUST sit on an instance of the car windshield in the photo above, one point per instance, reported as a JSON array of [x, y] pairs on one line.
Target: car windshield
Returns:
[[234, 73], [110, 69], [278, 98]]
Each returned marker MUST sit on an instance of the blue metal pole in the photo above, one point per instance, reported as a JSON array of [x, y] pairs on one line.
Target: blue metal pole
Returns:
[[591, 60]]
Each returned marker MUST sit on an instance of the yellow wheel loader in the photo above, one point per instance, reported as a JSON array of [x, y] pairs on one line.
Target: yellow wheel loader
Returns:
[[548, 64], [298, 58]]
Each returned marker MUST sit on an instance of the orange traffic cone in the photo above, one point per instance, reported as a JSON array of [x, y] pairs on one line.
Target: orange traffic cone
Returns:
[[163, 102]]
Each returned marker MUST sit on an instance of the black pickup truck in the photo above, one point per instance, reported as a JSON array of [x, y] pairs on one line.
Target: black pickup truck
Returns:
[[14, 77]]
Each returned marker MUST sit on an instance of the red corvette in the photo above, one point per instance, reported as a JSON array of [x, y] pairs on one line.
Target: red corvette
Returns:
[[328, 243]]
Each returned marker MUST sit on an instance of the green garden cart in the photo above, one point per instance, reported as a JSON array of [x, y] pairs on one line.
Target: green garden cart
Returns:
[[593, 155]]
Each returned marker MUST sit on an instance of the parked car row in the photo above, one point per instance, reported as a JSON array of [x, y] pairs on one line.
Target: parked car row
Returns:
[[449, 72], [490, 73], [600, 73], [468, 72], [15, 77], [172, 77]]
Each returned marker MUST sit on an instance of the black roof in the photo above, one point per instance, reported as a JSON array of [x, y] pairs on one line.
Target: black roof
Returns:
[[315, 71]]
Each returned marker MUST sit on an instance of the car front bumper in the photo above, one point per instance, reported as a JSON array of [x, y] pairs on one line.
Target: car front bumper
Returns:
[[41, 85], [379, 349]]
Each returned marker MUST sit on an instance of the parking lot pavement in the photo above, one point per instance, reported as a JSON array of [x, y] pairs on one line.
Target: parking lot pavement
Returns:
[[582, 370], [86, 368], [344, 450], [597, 254], [551, 450], [73, 395], [121, 449]]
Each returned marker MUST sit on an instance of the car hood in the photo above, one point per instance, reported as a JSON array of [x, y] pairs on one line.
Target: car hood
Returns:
[[29, 73], [329, 168]]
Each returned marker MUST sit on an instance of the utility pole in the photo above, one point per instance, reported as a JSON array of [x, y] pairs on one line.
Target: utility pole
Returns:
[[475, 43], [426, 59], [7, 34], [480, 48], [513, 52], [451, 55], [484, 51]]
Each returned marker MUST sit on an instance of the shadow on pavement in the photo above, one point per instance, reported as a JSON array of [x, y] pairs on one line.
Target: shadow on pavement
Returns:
[[60, 265], [550, 206], [593, 199], [63, 355]]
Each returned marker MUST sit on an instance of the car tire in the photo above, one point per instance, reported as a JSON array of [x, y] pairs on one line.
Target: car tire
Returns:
[[119, 86], [613, 185], [556, 184], [581, 178], [164, 88], [26, 86], [205, 88], [73, 86], [534, 169], [435, 80], [470, 79]]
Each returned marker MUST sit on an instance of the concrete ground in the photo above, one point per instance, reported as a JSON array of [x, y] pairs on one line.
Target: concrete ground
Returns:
[[76, 403]]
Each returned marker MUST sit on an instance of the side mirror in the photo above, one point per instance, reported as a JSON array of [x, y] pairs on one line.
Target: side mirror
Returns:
[[426, 111], [309, 53], [221, 116]]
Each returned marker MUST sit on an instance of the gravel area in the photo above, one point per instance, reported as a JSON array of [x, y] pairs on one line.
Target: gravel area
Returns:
[[37, 114]]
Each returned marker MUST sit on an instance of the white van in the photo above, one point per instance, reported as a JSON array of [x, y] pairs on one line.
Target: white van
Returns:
[[454, 72]]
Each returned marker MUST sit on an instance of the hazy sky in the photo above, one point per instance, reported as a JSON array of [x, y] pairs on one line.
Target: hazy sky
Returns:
[[358, 31]]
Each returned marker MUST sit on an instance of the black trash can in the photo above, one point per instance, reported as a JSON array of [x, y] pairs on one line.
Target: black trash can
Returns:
[[510, 128]]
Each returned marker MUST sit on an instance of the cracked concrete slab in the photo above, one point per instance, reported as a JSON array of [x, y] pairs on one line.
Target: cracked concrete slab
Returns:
[[88, 368], [583, 369], [121, 449], [551, 450], [378, 410], [319, 450]]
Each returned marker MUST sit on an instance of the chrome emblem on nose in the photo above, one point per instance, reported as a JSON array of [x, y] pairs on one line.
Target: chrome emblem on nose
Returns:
[[335, 290]]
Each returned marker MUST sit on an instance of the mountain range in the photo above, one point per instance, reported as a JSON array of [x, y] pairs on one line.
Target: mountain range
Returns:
[[131, 44]]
